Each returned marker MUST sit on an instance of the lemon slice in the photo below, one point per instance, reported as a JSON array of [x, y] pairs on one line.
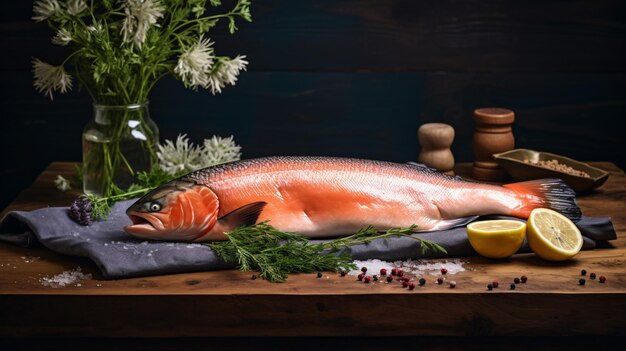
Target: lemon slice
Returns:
[[553, 236], [497, 238]]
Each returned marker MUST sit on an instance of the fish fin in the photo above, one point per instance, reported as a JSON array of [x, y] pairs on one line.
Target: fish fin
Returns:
[[552, 193], [452, 223], [243, 216], [426, 168], [421, 166]]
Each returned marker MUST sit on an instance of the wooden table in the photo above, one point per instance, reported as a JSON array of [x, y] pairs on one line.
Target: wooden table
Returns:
[[229, 303]]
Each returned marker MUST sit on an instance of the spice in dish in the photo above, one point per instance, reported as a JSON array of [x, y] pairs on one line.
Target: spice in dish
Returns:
[[555, 165]]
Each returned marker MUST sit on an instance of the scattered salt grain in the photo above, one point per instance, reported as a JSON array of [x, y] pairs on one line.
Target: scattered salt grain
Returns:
[[414, 267], [65, 278], [30, 259]]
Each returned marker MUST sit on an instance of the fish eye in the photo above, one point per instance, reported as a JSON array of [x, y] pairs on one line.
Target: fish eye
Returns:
[[155, 206]]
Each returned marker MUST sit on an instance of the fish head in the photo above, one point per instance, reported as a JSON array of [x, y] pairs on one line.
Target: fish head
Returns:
[[179, 210]]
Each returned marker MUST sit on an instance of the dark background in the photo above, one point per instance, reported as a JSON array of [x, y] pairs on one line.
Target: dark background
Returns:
[[357, 78]]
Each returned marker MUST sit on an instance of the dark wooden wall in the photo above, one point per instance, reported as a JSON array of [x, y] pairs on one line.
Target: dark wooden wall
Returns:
[[356, 78]]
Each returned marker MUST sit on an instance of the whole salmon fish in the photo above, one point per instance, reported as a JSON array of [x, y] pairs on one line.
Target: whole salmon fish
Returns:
[[327, 196]]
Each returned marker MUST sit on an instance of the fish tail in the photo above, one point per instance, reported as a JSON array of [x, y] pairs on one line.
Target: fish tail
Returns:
[[551, 193]]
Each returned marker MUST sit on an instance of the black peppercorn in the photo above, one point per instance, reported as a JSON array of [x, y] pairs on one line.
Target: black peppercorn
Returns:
[[319, 274], [592, 276], [512, 286], [253, 277], [583, 272], [516, 280], [489, 287], [582, 281], [422, 281]]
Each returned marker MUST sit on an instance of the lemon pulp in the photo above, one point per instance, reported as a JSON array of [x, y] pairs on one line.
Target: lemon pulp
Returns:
[[496, 238], [553, 236]]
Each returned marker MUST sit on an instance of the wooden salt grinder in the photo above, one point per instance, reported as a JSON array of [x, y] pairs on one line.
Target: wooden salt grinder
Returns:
[[492, 135], [436, 139]]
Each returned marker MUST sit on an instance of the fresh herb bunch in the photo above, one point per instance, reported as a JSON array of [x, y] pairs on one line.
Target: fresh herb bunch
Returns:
[[276, 254], [120, 49]]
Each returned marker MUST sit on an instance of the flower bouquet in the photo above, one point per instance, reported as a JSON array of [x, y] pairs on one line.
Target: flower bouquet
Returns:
[[119, 50]]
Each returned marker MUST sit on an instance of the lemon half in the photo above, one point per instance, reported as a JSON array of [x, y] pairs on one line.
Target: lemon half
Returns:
[[553, 236], [497, 238]]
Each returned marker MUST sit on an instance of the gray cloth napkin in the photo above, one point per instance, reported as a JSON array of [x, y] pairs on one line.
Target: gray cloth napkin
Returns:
[[118, 255]]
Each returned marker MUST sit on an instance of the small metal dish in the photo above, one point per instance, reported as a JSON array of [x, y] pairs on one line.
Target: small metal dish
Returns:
[[513, 162]]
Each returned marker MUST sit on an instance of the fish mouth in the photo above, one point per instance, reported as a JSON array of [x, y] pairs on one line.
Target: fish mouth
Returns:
[[143, 223]]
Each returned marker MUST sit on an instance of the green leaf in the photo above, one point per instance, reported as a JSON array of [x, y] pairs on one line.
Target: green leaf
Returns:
[[276, 254]]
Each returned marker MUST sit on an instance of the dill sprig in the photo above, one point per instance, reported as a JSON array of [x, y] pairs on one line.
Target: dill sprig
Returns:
[[276, 254]]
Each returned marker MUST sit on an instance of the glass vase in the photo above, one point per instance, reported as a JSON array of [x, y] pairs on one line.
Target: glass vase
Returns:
[[117, 143]]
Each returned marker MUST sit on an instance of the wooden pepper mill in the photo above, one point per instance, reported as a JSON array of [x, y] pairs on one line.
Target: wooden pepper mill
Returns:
[[492, 135], [436, 139]]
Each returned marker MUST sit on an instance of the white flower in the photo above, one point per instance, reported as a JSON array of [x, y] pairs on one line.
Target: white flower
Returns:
[[183, 156], [194, 65], [226, 73], [218, 150], [75, 7], [180, 157], [62, 183], [50, 78], [140, 15], [44, 9], [63, 37]]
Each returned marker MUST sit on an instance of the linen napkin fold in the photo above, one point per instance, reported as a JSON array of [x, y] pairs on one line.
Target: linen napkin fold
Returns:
[[119, 255]]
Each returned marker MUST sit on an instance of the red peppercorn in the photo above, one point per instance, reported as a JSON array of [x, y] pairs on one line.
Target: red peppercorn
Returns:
[[383, 271], [406, 279], [405, 284], [524, 279], [363, 269], [400, 273], [360, 276], [602, 279], [367, 279], [495, 283], [440, 280], [444, 271], [389, 279], [394, 271], [411, 286], [343, 273]]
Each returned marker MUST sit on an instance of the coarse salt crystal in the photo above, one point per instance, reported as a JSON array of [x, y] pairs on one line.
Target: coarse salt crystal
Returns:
[[65, 278], [414, 267]]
